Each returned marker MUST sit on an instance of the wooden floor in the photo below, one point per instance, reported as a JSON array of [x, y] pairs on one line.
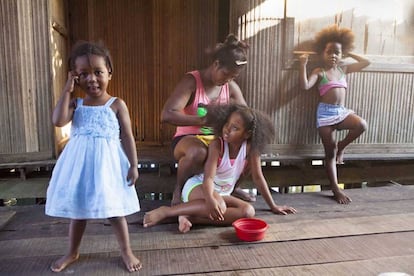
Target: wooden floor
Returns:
[[372, 235]]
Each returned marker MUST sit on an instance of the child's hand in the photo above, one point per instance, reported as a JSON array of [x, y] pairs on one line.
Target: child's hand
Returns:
[[132, 175], [304, 59], [283, 210], [70, 83], [214, 210]]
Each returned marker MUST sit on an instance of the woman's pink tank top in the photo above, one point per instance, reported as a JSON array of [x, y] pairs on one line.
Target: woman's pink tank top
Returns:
[[201, 97]]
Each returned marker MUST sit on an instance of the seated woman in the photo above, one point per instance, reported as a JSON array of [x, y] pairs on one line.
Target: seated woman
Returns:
[[215, 84]]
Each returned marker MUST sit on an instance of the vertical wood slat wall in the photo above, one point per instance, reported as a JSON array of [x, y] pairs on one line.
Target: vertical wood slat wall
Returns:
[[153, 44], [384, 99], [26, 132]]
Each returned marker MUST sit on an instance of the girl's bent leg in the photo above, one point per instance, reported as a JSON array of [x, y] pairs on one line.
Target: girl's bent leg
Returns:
[[236, 208], [120, 226], [76, 230], [356, 126], [196, 207]]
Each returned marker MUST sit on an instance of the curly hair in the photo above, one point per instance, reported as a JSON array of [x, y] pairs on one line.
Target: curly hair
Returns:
[[231, 54], [256, 122], [333, 33], [86, 48]]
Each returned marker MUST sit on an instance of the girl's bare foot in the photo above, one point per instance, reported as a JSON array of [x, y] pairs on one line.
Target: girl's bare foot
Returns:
[[341, 197], [63, 262], [340, 154], [131, 262], [155, 216], [184, 224]]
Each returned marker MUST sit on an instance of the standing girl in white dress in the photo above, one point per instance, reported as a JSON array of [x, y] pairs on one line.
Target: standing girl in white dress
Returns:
[[94, 177], [242, 135]]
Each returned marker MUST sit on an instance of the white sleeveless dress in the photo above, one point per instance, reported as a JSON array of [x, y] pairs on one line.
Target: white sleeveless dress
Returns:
[[227, 174], [89, 180]]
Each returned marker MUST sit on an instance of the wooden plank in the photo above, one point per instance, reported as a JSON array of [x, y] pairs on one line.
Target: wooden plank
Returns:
[[234, 257], [218, 236], [18, 188], [30, 164], [5, 217], [402, 264], [324, 238]]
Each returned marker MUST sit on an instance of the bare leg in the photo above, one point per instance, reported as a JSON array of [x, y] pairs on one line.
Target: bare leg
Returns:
[[356, 126], [191, 208], [120, 226], [76, 230], [195, 211], [327, 135], [239, 193], [236, 208], [191, 154]]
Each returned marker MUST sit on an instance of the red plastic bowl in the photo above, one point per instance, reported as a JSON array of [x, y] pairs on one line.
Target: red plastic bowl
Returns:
[[250, 229]]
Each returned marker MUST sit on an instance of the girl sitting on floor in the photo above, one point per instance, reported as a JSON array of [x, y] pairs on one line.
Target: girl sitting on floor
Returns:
[[242, 134]]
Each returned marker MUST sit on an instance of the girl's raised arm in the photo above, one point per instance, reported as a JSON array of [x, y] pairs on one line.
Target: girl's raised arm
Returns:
[[305, 81], [63, 111], [357, 66]]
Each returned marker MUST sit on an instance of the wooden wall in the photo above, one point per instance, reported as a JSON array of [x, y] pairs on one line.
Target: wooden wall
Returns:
[[153, 43], [381, 96], [25, 81]]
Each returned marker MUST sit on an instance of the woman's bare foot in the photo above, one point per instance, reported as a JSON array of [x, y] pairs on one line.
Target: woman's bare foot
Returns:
[[184, 224], [239, 193], [63, 262], [341, 197], [131, 262], [155, 216]]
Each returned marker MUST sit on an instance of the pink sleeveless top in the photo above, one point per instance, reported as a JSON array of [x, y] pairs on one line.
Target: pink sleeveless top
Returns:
[[201, 97], [325, 85]]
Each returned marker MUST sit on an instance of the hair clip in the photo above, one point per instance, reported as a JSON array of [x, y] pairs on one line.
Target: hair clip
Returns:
[[240, 62]]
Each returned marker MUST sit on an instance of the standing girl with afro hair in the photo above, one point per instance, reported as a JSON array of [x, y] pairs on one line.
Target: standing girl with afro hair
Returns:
[[332, 44]]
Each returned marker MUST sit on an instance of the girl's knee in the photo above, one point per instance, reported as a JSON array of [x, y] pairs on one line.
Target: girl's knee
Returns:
[[363, 125], [248, 211], [223, 205]]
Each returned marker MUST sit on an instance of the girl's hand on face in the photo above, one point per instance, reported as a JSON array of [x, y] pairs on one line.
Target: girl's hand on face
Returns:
[[132, 175], [283, 210], [70, 83]]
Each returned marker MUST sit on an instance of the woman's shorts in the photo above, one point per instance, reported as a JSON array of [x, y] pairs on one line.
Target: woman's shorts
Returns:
[[205, 139], [331, 114]]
